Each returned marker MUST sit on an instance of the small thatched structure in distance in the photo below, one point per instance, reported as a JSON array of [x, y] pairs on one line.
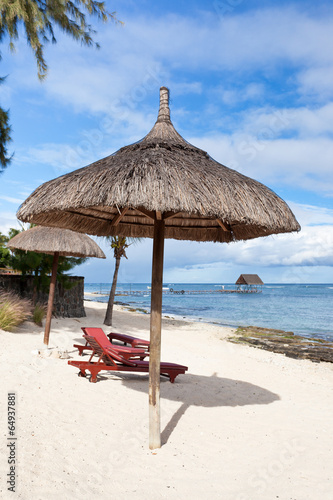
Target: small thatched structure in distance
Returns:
[[249, 279], [251, 282]]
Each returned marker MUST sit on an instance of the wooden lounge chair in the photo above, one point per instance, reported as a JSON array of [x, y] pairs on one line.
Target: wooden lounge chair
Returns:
[[98, 333], [112, 360], [128, 339]]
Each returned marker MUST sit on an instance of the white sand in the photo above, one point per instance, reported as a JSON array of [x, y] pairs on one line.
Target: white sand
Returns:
[[242, 424]]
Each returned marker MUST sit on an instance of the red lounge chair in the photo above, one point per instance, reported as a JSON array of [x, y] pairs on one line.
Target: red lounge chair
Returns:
[[128, 339], [110, 359], [125, 351]]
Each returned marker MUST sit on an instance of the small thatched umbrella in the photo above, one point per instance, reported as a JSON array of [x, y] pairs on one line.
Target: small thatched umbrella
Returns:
[[161, 187], [59, 242]]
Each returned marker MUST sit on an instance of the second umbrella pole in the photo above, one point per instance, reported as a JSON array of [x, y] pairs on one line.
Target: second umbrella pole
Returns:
[[51, 298]]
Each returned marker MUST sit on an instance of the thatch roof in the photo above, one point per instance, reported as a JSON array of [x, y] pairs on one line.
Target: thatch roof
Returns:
[[249, 279], [161, 176], [52, 239]]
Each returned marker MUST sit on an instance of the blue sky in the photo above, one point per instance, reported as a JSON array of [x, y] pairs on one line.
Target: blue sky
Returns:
[[251, 83]]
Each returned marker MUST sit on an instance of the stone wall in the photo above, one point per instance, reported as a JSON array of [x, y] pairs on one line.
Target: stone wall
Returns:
[[67, 303]]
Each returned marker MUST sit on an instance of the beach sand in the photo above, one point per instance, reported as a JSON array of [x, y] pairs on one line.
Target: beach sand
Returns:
[[242, 424]]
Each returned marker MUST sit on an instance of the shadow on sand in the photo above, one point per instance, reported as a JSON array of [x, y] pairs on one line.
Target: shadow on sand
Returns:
[[200, 390]]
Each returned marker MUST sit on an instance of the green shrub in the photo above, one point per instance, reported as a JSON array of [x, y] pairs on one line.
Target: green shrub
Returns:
[[13, 310], [38, 314]]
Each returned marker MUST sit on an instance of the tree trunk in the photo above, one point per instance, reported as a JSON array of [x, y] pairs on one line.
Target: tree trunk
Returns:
[[108, 315], [34, 293]]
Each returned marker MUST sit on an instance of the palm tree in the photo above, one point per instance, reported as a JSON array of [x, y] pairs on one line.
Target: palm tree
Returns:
[[119, 245], [40, 20]]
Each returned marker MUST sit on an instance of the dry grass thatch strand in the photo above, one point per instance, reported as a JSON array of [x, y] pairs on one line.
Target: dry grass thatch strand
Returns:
[[51, 239], [162, 176]]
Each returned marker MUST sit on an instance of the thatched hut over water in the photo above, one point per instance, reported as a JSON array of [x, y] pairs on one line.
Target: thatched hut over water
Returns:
[[250, 282]]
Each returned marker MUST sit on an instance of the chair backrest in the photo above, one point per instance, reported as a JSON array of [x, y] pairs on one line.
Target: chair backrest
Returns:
[[106, 353], [98, 334]]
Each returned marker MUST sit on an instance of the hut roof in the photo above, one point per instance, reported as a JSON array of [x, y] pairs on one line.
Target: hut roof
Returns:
[[53, 239], [161, 176], [249, 279]]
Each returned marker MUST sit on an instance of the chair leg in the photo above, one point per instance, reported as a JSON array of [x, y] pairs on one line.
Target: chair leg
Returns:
[[173, 374], [94, 372], [170, 375]]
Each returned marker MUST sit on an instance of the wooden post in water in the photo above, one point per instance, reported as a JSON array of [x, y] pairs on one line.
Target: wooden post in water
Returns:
[[51, 298], [155, 336]]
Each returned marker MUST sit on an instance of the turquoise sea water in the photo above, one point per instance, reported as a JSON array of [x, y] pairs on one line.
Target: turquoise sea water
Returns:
[[305, 309]]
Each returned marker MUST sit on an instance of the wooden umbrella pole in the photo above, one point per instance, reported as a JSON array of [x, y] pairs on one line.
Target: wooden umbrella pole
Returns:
[[155, 336], [51, 298]]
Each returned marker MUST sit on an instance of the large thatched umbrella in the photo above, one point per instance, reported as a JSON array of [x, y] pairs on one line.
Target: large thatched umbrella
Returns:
[[161, 187], [57, 242]]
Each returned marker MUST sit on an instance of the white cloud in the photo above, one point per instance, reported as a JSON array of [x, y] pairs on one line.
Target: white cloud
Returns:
[[316, 81], [8, 220], [186, 88], [310, 215], [303, 122], [149, 51], [6, 93], [62, 157], [11, 200], [286, 257], [260, 147], [234, 96], [312, 246], [303, 164]]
